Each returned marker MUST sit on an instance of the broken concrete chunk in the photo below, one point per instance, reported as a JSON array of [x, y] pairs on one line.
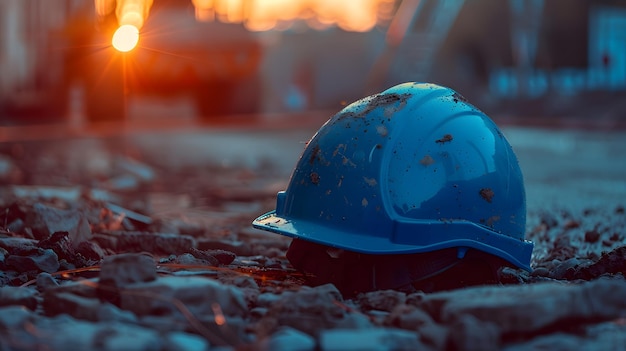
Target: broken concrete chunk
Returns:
[[200, 296], [603, 336], [111, 313], [61, 244], [135, 216], [14, 317], [378, 339], [157, 243], [118, 271], [106, 241], [90, 250], [46, 220], [415, 319], [289, 339], [123, 336], [58, 302], [309, 310], [205, 255], [18, 296], [182, 341], [239, 248], [40, 261], [66, 333], [525, 309], [610, 262], [18, 246], [357, 320], [46, 281], [223, 256], [381, 300], [190, 260], [471, 334], [408, 317], [556, 341]]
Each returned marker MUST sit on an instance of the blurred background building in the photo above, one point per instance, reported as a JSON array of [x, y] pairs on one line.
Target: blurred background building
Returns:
[[226, 57]]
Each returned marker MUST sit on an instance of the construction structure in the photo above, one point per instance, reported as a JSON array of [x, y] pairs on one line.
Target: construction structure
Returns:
[[493, 51]]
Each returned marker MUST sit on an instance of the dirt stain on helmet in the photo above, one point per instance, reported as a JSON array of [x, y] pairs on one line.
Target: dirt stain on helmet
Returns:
[[315, 178], [376, 101], [446, 138], [386, 99], [315, 154], [382, 130], [458, 97], [487, 194], [370, 181], [427, 160], [491, 220]]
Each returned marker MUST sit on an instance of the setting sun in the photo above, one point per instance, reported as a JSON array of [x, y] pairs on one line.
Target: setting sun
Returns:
[[125, 38]]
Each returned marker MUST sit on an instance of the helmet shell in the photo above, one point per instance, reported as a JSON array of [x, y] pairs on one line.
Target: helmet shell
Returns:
[[413, 169]]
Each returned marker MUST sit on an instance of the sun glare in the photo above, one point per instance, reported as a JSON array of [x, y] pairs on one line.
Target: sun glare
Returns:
[[125, 38]]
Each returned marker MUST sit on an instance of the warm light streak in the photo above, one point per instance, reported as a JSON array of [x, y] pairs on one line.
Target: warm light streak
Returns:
[[132, 12], [232, 11], [104, 7], [261, 15], [125, 38]]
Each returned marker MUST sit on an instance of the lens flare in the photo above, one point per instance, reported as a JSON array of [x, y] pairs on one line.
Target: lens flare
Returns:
[[125, 38]]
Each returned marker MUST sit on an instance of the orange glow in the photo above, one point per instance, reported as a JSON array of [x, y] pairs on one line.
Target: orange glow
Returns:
[[261, 15], [204, 10], [231, 11], [104, 7], [131, 15], [125, 38], [219, 315], [132, 12]]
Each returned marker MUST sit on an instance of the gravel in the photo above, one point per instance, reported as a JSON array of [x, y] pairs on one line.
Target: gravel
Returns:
[[170, 262]]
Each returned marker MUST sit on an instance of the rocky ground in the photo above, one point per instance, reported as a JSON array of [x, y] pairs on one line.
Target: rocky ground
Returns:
[[120, 245]]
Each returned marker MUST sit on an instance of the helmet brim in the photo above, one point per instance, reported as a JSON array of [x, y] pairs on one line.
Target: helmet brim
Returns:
[[463, 234]]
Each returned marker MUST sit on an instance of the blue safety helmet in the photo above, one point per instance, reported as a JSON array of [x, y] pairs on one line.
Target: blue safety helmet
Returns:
[[413, 169]]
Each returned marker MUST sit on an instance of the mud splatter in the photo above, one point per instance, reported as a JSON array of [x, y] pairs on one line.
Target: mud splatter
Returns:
[[339, 147], [315, 178], [446, 138], [386, 99], [370, 181], [382, 131], [487, 194], [375, 101], [315, 154], [427, 160], [458, 97], [491, 220]]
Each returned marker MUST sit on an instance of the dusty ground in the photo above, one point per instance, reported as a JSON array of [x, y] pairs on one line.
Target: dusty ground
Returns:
[[145, 243]]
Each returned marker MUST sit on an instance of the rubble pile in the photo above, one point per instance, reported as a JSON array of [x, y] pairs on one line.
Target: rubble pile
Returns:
[[128, 256]]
